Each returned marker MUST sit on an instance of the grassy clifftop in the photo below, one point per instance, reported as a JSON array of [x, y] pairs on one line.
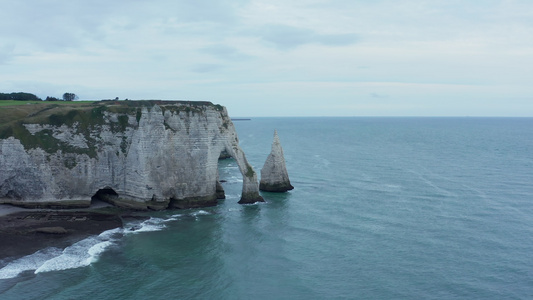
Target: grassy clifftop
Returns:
[[87, 115], [39, 111]]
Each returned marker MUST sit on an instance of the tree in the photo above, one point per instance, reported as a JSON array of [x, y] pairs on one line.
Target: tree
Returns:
[[69, 97], [20, 96]]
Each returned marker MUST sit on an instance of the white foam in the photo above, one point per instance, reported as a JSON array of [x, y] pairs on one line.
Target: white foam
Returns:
[[152, 224], [200, 213], [28, 263], [254, 204], [98, 249], [172, 218], [111, 234], [149, 228], [80, 254], [234, 179]]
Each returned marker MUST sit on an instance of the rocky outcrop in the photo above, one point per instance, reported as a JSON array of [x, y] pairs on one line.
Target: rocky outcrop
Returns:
[[141, 155], [274, 176]]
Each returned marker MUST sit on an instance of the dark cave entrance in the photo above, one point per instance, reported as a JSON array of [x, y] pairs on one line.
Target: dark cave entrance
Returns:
[[106, 194]]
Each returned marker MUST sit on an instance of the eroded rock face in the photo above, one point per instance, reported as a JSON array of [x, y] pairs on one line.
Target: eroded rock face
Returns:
[[274, 176], [146, 156]]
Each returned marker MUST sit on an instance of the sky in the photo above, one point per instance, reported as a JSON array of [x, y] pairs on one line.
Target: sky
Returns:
[[278, 57]]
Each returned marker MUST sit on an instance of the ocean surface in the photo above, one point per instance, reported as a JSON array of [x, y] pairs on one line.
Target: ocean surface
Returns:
[[383, 208]]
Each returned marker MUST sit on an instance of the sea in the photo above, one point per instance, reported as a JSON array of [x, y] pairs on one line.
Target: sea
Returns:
[[383, 208]]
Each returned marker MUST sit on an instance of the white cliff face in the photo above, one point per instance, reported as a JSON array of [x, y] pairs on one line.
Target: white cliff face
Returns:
[[274, 176], [151, 157]]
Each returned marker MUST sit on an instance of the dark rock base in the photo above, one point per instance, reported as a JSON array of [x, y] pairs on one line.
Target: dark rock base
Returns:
[[49, 205], [276, 188], [221, 194], [197, 202], [251, 198]]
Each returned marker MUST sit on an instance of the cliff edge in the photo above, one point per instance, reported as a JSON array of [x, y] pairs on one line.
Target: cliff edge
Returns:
[[135, 154]]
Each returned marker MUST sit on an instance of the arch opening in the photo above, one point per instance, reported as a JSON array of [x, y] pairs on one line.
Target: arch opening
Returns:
[[223, 160]]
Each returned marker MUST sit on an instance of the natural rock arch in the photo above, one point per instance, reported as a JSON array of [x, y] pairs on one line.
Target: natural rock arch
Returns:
[[141, 155], [250, 191]]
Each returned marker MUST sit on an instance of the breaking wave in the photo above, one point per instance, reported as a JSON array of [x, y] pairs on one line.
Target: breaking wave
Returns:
[[86, 251], [200, 213], [152, 224], [29, 263], [80, 254]]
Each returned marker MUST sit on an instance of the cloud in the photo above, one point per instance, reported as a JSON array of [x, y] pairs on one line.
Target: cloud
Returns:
[[286, 37], [6, 53], [223, 11], [208, 49], [205, 68], [378, 96], [54, 25], [225, 52]]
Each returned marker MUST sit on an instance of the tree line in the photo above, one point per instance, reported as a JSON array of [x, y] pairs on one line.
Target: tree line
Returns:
[[21, 96]]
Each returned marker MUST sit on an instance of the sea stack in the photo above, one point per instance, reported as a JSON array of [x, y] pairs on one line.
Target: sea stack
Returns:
[[274, 176]]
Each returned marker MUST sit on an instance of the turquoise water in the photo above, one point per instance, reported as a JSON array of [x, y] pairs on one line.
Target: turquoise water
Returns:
[[383, 208]]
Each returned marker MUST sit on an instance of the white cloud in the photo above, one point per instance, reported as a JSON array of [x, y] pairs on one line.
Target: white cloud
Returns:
[[287, 37], [6, 53], [225, 52], [426, 57]]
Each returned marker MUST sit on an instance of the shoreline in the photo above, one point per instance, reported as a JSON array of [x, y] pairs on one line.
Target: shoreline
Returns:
[[25, 231]]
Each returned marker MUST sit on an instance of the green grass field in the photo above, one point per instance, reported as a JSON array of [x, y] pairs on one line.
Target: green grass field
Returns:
[[40, 111], [16, 103], [13, 102], [18, 110]]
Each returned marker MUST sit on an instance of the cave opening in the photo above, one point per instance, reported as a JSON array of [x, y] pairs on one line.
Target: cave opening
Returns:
[[106, 194]]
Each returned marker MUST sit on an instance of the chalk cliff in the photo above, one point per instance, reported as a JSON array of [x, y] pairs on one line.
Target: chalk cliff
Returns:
[[274, 175], [136, 154]]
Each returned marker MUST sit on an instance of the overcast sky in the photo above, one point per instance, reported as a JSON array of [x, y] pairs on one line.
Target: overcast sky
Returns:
[[278, 57]]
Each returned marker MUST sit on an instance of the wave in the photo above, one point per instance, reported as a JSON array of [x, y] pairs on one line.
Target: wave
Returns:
[[29, 263], [200, 213], [152, 224], [80, 254], [233, 179], [86, 251], [254, 204]]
